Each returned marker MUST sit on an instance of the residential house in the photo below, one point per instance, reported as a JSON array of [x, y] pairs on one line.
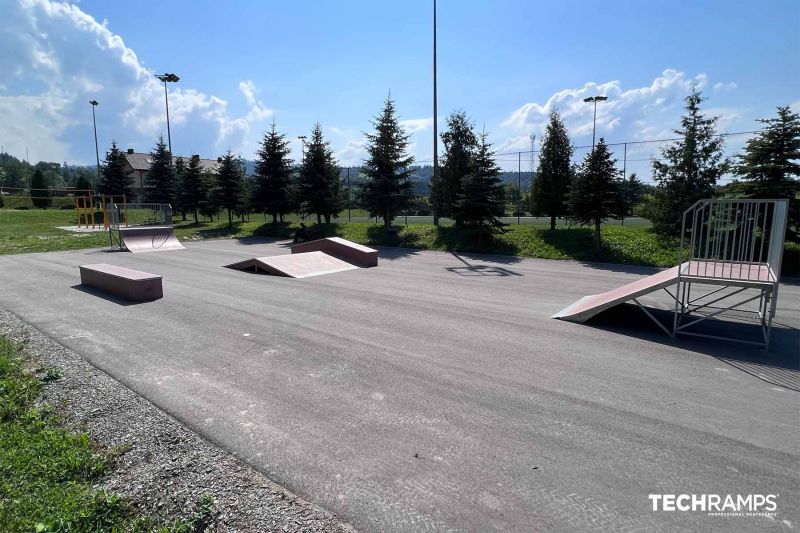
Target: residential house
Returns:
[[139, 166]]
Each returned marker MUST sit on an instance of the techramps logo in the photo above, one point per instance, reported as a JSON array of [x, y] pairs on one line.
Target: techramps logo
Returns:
[[728, 505]]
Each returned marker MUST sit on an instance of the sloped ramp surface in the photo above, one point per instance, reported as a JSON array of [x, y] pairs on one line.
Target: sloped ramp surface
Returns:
[[349, 251], [298, 265], [589, 306], [149, 239]]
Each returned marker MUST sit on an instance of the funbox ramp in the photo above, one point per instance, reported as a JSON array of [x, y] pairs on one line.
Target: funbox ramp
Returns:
[[296, 265], [589, 306], [349, 251], [150, 239]]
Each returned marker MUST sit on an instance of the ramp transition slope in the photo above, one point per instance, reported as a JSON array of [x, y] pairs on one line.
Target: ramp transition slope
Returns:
[[589, 306], [149, 239], [341, 248], [297, 265]]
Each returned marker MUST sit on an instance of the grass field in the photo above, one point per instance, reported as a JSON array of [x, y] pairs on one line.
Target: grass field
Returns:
[[24, 231], [36, 231], [46, 472]]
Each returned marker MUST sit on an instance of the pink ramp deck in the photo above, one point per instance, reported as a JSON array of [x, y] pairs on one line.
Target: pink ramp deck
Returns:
[[710, 272], [149, 239], [128, 283], [589, 306], [299, 265], [341, 248]]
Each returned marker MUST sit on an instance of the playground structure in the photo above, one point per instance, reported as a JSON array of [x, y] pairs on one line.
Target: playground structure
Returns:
[[313, 258], [142, 227], [87, 206], [731, 253]]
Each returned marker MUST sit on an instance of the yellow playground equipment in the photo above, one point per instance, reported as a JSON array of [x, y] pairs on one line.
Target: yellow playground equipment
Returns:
[[90, 208]]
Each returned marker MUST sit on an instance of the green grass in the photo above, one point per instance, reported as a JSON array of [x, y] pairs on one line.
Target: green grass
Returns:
[[46, 472], [633, 243]]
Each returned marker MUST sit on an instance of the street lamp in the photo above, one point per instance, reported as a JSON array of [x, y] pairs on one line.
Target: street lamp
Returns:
[[95, 103], [303, 149], [595, 99], [172, 78]]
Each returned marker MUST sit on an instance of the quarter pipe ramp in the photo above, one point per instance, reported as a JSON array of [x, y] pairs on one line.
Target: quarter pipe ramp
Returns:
[[149, 239]]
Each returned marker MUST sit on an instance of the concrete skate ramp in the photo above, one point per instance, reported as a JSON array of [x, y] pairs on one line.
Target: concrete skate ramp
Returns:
[[149, 239], [299, 265], [341, 248], [589, 306]]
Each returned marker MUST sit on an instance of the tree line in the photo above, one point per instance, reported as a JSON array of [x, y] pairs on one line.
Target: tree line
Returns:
[[688, 170]]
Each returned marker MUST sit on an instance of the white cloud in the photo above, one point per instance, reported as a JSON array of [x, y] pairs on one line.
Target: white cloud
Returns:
[[413, 126], [725, 87], [664, 93], [56, 58]]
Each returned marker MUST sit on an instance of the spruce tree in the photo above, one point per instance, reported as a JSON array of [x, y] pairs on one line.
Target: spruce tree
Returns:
[[115, 178], [40, 195], [229, 184], [689, 169], [631, 191], [481, 198], [594, 194], [159, 184], [272, 188], [83, 185], [192, 187], [386, 192], [319, 187], [460, 145], [770, 164], [550, 189]]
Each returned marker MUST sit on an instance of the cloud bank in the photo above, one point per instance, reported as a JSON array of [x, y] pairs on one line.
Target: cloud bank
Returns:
[[56, 58]]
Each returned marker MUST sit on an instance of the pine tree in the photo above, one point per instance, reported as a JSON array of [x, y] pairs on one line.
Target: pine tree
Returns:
[[272, 189], [631, 191], [460, 145], [159, 184], [481, 198], [770, 164], [83, 185], [550, 189], [40, 196], [594, 194], [115, 179], [386, 192], [319, 187], [192, 189], [229, 184], [689, 170]]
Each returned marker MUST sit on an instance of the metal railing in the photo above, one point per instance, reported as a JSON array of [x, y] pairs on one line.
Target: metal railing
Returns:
[[734, 239], [140, 214]]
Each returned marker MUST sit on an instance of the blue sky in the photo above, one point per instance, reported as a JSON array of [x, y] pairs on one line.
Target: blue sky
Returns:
[[507, 63]]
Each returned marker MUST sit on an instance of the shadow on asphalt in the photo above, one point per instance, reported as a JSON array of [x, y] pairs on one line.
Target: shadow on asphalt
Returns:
[[472, 269], [106, 296], [780, 366]]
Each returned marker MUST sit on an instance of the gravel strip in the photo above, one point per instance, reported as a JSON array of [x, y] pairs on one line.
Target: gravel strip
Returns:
[[164, 469]]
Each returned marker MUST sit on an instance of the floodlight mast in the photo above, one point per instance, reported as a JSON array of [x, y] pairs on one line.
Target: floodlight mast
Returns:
[[595, 99], [171, 78]]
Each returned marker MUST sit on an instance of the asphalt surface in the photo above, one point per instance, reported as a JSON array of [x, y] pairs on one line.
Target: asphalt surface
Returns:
[[434, 393]]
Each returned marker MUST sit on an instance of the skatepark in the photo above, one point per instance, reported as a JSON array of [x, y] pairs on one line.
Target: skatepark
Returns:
[[434, 391]]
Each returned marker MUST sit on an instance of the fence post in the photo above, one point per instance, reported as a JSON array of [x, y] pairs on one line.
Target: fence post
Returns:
[[519, 184]]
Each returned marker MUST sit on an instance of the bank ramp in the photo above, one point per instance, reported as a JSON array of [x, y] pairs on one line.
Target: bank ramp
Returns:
[[296, 265]]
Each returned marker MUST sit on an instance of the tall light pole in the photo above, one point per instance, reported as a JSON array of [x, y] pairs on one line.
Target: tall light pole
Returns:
[[172, 78], [435, 113], [95, 103], [595, 99]]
